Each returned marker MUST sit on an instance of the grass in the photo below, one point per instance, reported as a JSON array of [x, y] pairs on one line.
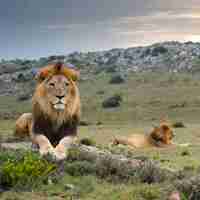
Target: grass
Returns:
[[147, 98], [89, 188]]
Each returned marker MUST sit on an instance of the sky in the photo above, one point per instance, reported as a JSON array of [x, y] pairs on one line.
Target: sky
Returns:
[[38, 28]]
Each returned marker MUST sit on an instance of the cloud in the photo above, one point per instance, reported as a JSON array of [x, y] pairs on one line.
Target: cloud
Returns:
[[61, 27], [54, 27]]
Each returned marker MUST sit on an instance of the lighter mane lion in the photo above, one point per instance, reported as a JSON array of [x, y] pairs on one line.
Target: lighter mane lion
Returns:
[[159, 137], [52, 125]]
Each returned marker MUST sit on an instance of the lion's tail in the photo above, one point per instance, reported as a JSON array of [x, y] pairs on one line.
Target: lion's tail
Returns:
[[23, 125]]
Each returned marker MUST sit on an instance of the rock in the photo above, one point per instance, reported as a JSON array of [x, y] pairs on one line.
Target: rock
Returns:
[[16, 145]]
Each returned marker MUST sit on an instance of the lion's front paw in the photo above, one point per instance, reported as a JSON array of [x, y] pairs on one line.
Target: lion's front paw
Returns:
[[46, 150], [60, 153]]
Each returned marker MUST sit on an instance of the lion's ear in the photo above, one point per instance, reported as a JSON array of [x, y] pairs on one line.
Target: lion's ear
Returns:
[[72, 73], [155, 134], [165, 128], [42, 74]]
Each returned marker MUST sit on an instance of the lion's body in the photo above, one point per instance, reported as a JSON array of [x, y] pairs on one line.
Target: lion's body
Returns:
[[159, 137], [137, 141], [55, 111], [52, 123], [23, 125]]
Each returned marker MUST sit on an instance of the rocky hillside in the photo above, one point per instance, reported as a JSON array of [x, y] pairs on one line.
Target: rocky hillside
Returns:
[[168, 56]]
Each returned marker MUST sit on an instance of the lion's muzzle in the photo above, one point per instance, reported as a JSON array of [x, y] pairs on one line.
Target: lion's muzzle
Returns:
[[60, 103]]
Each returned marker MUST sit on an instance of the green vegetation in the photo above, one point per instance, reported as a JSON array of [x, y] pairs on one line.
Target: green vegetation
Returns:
[[25, 171], [87, 141], [147, 98]]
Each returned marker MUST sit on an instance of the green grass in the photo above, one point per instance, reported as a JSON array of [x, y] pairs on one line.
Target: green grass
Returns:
[[89, 188], [147, 98]]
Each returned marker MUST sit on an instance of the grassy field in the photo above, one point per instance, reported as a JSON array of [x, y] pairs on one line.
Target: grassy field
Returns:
[[147, 98]]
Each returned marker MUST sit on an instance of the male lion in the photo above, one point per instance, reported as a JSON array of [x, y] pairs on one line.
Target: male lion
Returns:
[[52, 125], [160, 137]]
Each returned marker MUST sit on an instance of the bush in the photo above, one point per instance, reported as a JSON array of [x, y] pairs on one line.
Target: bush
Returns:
[[111, 102], [150, 192], [87, 142], [26, 172], [149, 173], [99, 123], [101, 92], [189, 187], [117, 79], [23, 97], [185, 152], [178, 125], [84, 123], [79, 168]]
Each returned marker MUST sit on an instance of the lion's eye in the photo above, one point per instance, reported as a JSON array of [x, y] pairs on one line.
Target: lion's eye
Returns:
[[52, 84], [66, 84]]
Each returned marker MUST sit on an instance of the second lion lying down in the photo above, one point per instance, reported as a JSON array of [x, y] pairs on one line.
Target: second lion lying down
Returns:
[[159, 137], [52, 125]]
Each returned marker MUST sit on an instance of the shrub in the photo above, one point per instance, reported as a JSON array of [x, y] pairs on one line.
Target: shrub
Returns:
[[117, 79], [150, 192], [23, 97], [178, 125], [8, 155], [79, 168], [99, 123], [185, 152], [26, 172], [73, 154], [84, 123], [149, 173], [87, 141], [189, 187], [101, 92], [111, 102]]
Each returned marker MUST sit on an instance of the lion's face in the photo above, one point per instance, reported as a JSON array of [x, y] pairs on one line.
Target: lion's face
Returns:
[[58, 90], [56, 94], [163, 134]]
